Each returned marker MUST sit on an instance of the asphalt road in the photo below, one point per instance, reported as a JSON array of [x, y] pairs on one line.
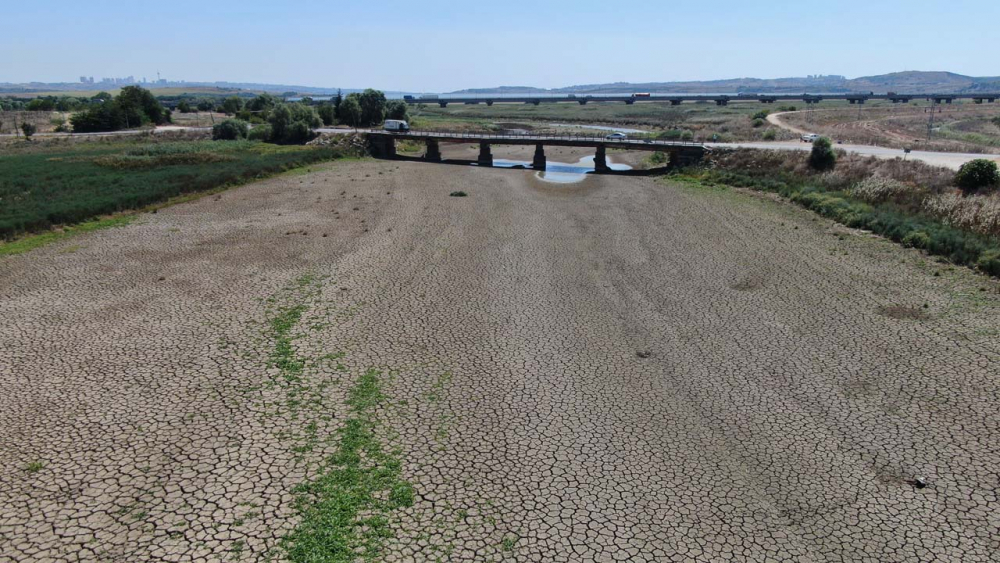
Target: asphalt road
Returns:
[[951, 160], [616, 370]]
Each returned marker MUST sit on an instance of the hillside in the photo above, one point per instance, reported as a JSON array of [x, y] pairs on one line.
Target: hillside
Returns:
[[917, 82]]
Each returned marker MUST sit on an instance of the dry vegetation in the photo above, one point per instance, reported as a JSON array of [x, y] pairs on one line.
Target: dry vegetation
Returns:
[[695, 121], [958, 127], [907, 201]]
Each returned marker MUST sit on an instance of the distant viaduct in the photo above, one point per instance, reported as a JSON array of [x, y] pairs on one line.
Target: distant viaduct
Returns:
[[677, 99]]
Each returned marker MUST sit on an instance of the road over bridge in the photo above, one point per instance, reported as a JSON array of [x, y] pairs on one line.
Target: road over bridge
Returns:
[[719, 99], [384, 144]]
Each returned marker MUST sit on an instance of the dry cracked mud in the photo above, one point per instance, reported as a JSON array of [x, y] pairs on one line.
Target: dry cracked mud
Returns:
[[623, 369]]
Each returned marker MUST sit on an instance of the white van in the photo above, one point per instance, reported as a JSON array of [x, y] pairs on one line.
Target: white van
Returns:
[[396, 125]]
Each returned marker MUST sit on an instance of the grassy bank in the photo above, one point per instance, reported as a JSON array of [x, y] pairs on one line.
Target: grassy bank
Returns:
[[901, 207], [44, 186]]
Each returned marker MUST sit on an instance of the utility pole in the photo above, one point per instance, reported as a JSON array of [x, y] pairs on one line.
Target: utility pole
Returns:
[[930, 121]]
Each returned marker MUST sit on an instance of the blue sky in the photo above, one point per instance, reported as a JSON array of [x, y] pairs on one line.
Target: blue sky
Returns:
[[440, 46]]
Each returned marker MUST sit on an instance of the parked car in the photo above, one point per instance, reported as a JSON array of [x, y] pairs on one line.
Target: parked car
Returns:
[[809, 138], [617, 137], [396, 125]]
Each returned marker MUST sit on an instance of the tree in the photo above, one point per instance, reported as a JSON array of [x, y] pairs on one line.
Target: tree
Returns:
[[184, 107], [372, 107], [976, 175], [822, 157], [230, 130], [340, 97], [28, 129], [292, 123], [139, 102], [349, 112], [232, 105], [397, 109], [205, 105], [101, 97], [328, 113]]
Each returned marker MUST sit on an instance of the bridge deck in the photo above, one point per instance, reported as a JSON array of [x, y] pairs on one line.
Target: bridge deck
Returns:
[[640, 143]]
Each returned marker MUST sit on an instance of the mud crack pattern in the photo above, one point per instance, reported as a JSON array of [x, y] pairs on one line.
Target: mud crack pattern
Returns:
[[620, 370]]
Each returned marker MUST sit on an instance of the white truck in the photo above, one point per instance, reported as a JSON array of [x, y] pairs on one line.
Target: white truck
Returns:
[[396, 125]]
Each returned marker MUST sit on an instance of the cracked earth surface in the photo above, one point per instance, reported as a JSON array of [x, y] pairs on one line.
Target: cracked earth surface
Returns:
[[617, 370]]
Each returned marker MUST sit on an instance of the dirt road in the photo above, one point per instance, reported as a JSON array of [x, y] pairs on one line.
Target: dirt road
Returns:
[[620, 369]]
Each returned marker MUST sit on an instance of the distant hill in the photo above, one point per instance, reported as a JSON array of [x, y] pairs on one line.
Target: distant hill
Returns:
[[916, 82]]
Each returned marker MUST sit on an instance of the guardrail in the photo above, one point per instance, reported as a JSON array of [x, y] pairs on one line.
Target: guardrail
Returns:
[[641, 138]]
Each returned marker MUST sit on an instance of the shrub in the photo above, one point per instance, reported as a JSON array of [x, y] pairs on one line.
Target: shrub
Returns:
[[977, 213], [184, 107], [28, 129], [260, 132], [917, 239], [976, 175], [760, 115], [770, 135], [229, 130], [989, 262], [758, 123], [658, 158], [822, 156]]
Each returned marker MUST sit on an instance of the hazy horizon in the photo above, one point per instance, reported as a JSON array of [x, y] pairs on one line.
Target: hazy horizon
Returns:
[[444, 47]]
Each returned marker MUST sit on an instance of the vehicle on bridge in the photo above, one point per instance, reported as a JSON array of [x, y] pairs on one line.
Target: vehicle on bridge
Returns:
[[396, 125], [641, 95], [617, 136]]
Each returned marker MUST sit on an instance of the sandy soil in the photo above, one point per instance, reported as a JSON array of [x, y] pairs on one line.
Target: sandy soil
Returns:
[[619, 369]]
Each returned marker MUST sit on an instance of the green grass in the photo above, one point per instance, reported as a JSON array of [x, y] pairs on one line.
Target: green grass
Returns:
[[344, 510], [344, 513], [31, 242], [70, 185], [34, 467]]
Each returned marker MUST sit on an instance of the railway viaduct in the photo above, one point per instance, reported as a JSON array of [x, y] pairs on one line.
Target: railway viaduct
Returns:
[[719, 99]]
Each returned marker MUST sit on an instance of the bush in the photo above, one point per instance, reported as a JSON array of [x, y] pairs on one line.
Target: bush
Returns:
[[229, 130], [28, 129], [976, 175], [758, 123], [822, 157], [760, 115], [184, 107], [989, 262], [770, 135], [260, 132], [917, 239]]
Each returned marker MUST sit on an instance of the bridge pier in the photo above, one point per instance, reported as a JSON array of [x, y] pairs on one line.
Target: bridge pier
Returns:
[[629, 102], [489, 103], [538, 163], [433, 153], [675, 102], [485, 155], [443, 104], [601, 160], [582, 102], [382, 146]]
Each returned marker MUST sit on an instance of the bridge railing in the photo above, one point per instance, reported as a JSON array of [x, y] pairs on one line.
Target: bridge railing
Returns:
[[488, 135]]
